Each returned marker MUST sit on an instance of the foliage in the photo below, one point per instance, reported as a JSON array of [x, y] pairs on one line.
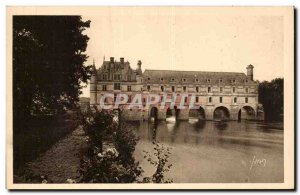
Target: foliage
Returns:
[[115, 163], [48, 65], [162, 153], [271, 96], [99, 125]]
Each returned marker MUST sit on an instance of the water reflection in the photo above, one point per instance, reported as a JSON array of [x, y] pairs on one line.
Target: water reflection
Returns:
[[209, 151], [206, 132]]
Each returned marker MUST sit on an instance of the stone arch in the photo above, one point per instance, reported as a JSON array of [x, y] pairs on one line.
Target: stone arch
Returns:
[[153, 113], [201, 113], [247, 113], [172, 112], [221, 113], [197, 113]]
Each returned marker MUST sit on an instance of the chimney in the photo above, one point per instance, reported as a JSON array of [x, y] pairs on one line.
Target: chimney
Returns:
[[122, 60], [250, 71], [111, 59]]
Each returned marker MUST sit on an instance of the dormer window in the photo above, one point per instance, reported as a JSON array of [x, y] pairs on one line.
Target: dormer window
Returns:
[[148, 78], [104, 77], [172, 79], [197, 80], [184, 80], [246, 80], [233, 80], [161, 79], [208, 80], [220, 80], [117, 77]]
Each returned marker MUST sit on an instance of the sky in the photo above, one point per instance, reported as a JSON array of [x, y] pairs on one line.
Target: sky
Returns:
[[187, 39]]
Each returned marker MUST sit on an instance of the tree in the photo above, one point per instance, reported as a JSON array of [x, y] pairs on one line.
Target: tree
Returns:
[[271, 96], [48, 63]]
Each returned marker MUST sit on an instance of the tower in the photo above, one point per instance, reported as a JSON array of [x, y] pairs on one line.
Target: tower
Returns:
[[139, 67], [250, 71], [93, 86]]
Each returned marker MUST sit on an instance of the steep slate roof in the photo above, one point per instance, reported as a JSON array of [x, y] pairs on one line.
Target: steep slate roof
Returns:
[[117, 65], [191, 76]]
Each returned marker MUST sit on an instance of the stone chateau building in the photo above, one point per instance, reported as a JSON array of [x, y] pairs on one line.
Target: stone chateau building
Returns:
[[219, 95]]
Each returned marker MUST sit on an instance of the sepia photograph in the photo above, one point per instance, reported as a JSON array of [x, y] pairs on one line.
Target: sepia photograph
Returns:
[[150, 97]]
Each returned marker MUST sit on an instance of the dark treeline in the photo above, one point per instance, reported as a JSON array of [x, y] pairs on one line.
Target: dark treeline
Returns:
[[271, 96], [48, 70]]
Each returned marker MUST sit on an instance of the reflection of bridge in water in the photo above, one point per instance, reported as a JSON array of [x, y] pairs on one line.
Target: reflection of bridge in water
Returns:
[[220, 113], [198, 131], [204, 151]]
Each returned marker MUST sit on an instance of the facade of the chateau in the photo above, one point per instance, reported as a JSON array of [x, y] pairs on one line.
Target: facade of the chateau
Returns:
[[218, 95]]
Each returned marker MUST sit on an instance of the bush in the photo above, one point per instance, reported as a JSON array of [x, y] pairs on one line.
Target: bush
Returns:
[[162, 153], [114, 164]]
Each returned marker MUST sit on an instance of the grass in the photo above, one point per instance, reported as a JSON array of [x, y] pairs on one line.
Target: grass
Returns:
[[37, 135]]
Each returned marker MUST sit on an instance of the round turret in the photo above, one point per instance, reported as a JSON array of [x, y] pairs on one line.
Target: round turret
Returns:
[[250, 71]]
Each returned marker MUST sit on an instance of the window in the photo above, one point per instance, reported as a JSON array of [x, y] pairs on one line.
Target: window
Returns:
[[209, 89], [162, 88], [246, 80], [161, 98], [148, 88], [221, 99], [129, 98], [148, 78], [233, 89], [220, 80], [128, 88], [117, 86], [161, 79], [183, 80], [197, 99], [173, 89], [104, 77], [185, 99], [234, 99], [246, 100], [115, 97], [246, 90], [117, 77], [197, 80], [129, 77], [104, 88], [172, 79], [233, 80], [208, 80], [197, 89], [184, 88], [221, 89], [209, 99]]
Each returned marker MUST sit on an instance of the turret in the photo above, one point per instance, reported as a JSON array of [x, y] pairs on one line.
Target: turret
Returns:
[[93, 85], [139, 67], [250, 71]]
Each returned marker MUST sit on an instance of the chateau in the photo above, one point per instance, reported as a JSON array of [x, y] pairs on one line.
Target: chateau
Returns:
[[218, 95]]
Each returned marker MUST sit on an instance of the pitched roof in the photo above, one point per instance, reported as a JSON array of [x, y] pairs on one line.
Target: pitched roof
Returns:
[[177, 77]]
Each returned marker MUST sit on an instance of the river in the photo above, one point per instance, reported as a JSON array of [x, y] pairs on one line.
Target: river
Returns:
[[215, 152]]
